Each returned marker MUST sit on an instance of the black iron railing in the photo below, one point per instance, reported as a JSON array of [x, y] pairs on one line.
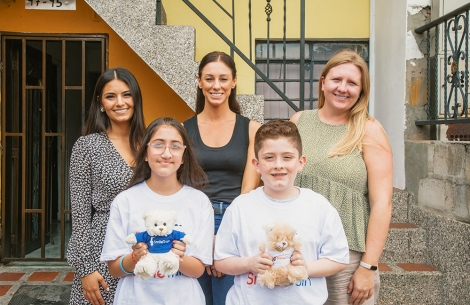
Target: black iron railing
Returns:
[[447, 68], [249, 59]]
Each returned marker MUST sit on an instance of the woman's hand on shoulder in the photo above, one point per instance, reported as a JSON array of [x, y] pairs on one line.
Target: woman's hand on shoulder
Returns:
[[295, 118], [251, 178], [253, 128]]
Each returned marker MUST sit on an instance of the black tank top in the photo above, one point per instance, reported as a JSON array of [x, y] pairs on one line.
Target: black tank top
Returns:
[[224, 165]]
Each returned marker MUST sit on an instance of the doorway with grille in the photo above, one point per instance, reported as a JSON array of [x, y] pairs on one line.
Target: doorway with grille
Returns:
[[46, 85]]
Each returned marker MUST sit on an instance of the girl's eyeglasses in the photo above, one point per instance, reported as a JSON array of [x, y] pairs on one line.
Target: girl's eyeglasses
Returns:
[[159, 148]]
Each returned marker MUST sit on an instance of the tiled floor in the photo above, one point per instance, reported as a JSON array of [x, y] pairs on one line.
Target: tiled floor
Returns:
[[12, 277]]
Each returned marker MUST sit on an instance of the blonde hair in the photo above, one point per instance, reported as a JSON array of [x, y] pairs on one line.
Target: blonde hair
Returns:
[[358, 114]]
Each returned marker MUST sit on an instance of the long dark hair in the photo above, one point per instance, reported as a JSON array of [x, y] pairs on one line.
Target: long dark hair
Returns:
[[189, 173], [228, 61], [98, 121]]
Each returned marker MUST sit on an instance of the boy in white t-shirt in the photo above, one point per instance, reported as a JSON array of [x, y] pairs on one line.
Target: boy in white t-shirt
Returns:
[[324, 252]]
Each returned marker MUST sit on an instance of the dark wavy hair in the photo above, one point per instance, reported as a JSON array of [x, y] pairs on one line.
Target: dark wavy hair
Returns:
[[189, 172], [98, 121], [228, 61]]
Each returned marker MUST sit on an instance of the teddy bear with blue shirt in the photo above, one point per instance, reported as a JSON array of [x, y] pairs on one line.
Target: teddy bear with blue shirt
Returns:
[[159, 236]]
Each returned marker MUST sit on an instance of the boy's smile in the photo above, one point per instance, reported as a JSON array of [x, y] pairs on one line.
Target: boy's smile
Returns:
[[278, 163]]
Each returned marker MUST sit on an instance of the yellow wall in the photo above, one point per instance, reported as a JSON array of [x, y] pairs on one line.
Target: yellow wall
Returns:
[[158, 98], [324, 19]]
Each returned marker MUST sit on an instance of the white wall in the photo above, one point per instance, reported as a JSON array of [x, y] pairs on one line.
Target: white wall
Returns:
[[389, 49]]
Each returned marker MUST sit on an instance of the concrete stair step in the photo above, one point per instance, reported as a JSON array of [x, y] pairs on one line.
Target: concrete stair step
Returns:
[[400, 201], [405, 243], [409, 284]]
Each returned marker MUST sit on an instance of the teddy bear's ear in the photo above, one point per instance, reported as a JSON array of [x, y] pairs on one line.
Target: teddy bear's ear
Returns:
[[146, 214], [268, 227]]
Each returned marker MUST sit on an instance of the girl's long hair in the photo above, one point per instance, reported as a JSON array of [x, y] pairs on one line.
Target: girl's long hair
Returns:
[[189, 172], [358, 114], [98, 121], [229, 62]]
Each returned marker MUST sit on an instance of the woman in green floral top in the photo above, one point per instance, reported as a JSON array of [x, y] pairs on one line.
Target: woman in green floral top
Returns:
[[349, 161]]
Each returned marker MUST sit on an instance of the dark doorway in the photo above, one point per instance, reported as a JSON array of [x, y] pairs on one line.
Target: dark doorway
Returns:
[[46, 86]]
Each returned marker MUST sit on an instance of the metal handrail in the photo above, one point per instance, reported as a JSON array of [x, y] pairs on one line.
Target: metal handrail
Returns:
[[455, 52], [442, 19], [248, 61], [241, 54]]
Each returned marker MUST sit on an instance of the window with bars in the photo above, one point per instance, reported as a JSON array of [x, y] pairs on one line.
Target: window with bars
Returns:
[[281, 64]]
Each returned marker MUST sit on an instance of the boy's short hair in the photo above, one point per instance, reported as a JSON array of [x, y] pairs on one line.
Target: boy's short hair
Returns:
[[276, 129]]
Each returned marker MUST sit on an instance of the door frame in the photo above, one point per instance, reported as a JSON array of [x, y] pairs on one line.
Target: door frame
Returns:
[[65, 212]]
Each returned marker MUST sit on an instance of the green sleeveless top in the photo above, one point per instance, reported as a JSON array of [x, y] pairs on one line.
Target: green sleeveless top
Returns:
[[341, 179]]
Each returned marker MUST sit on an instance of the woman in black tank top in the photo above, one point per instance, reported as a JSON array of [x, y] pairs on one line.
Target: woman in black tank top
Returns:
[[222, 140]]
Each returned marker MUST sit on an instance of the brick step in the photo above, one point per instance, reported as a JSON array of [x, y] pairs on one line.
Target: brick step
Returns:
[[405, 243], [14, 281], [409, 284]]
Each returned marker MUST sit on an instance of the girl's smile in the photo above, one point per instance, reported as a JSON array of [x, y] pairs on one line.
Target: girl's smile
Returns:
[[165, 152]]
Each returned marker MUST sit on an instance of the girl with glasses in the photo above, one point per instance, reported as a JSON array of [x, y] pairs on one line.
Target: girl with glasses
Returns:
[[167, 177]]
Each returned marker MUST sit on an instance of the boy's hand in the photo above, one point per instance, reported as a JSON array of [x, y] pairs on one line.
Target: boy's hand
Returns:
[[260, 263], [297, 259]]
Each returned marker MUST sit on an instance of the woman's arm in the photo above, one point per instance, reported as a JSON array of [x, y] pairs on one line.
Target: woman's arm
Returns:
[[251, 178], [377, 155], [79, 255]]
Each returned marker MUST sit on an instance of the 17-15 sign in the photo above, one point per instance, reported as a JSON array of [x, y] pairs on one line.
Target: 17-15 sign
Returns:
[[50, 5]]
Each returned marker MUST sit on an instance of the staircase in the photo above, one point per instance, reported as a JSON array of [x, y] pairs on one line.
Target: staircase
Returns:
[[168, 50], [405, 276]]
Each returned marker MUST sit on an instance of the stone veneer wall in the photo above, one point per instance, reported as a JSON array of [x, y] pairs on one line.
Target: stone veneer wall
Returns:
[[168, 50], [438, 174], [448, 249]]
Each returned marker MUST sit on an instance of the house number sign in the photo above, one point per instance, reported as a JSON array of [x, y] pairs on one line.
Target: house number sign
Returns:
[[54, 5]]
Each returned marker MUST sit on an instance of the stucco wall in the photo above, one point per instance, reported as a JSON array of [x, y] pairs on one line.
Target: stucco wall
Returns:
[[389, 89]]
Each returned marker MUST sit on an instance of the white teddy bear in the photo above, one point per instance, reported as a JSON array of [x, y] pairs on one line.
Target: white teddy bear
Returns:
[[159, 239]]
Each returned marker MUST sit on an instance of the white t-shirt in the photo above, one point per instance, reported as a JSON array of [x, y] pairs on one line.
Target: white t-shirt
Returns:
[[195, 217], [318, 227]]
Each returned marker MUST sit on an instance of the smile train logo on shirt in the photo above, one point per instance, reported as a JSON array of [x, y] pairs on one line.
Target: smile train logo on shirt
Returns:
[[154, 241]]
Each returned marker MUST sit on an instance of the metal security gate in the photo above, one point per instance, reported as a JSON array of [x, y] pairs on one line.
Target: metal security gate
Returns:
[[46, 85]]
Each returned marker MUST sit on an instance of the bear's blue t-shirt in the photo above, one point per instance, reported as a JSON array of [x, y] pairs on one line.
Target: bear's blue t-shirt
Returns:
[[159, 244]]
